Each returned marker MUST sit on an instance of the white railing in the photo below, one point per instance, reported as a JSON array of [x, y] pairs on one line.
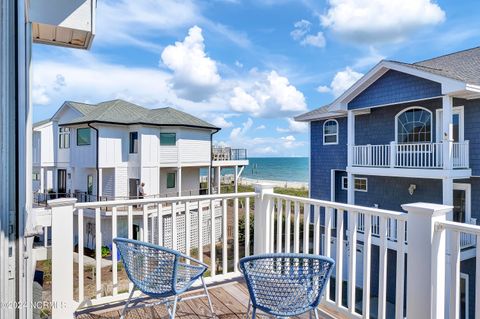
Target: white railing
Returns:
[[411, 155], [361, 240], [452, 252]]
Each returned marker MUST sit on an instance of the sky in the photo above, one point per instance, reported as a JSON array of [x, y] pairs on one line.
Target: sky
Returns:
[[246, 66]]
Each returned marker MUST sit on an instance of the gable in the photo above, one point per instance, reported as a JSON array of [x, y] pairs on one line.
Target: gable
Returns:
[[395, 87]]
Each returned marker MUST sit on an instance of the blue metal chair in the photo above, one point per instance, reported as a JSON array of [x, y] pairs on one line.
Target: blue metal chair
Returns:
[[286, 285], [160, 273]]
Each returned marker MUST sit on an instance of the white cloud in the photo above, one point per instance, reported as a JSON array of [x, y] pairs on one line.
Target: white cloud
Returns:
[[288, 141], [302, 27], [317, 40], [40, 95], [294, 127], [261, 127], [341, 82], [220, 121], [375, 21], [271, 95], [195, 75], [240, 132], [371, 58], [238, 64]]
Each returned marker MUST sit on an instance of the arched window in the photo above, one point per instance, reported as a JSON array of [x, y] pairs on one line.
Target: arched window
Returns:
[[330, 132], [414, 125]]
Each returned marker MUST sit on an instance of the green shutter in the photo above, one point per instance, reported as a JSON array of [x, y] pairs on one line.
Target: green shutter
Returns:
[[171, 180], [168, 139]]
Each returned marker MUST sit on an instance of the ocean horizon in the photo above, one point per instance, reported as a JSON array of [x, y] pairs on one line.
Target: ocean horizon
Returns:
[[284, 169]]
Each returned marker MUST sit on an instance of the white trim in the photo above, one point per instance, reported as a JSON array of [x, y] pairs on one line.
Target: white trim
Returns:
[[408, 109], [345, 178], [468, 198], [460, 110], [412, 172], [336, 134]]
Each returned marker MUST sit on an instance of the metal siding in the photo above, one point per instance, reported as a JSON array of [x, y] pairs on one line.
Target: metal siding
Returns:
[[472, 131], [395, 87]]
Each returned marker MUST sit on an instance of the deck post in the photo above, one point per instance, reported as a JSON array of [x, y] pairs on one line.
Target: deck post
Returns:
[[426, 260], [393, 154], [262, 219], [62, 257]]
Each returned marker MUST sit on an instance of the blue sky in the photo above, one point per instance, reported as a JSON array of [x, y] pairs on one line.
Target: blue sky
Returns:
[[246, 66]]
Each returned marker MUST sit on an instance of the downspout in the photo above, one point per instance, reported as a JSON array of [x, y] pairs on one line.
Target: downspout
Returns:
[[96, 160], [211, 162]]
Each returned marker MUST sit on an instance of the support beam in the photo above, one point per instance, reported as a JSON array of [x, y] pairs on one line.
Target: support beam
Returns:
[[42, 180], [447, 132], [351, 189], [218, 176], [209, 180], [179, 181], [236, 179], [100, 183], [350, 137]]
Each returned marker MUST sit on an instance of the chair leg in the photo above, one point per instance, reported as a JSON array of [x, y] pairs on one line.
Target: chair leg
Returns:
[[316, 313], [122, 316], [248, 308], [172, 316], [254, 312], [208, 297]]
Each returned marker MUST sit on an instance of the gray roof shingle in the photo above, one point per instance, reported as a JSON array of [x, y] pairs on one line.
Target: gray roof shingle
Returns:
[[123, 112]]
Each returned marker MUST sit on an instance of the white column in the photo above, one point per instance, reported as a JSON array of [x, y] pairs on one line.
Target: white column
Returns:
[[351, 188], [426, 260], [62, 257], [447, 191], [262, 216], [447, 132], [179, 181], [236, 179], [218, 176], [209, 180], [100, 183], [350, 137], [42, 180]]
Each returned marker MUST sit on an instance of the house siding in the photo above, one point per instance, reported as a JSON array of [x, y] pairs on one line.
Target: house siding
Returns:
[[324, 158], [395, 87], [472, 131]]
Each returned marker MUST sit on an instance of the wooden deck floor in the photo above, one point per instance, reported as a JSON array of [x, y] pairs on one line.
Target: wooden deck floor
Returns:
[[230, 300]]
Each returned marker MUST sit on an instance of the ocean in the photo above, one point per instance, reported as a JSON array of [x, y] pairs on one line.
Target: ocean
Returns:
[[291, 169]]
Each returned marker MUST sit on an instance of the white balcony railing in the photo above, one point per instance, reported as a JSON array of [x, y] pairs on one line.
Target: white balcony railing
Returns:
[[412, 155], [281, 223]]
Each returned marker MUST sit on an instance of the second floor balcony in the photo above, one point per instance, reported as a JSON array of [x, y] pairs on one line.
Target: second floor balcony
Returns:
[[229, 154], [412, 155]]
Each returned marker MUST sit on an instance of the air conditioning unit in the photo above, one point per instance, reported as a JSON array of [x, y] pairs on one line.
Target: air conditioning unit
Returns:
[[68, 23]]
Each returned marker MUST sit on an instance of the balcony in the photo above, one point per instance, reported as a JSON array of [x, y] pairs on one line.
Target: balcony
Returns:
[[413, 156], [280, 224], [229, 154]]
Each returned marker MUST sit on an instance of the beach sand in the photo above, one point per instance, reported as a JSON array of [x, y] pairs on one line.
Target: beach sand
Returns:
[[285, 184]]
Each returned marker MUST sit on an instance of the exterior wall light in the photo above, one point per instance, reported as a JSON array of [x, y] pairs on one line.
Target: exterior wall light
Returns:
[[412, 188]]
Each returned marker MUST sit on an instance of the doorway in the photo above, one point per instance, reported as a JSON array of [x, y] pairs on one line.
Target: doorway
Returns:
[[62, 182], [133, 187], [461, 202]]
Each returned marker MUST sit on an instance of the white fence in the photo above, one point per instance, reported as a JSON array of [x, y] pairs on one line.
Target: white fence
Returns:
[[284, 223], [412, 155]]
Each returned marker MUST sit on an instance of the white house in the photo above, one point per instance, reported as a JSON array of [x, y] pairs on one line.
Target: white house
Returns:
[[103, 152]]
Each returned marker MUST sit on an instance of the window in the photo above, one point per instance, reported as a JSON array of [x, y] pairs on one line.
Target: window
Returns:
[[330, 132], [83, 136], [414, 125], [171, 180], [168, 138], [133, 142], [361, 184], [64, 137], [89, 184], [36, 176]]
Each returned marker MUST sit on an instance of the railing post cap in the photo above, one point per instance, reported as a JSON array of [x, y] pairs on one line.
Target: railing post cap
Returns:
[[427, 208], [263, 186], [62, 202]]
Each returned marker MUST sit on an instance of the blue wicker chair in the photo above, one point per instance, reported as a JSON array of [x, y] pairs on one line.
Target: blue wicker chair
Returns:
[[286, 285], [160, 273]]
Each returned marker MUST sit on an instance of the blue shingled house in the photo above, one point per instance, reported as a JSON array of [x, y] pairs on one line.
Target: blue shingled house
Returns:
[[405, 132]]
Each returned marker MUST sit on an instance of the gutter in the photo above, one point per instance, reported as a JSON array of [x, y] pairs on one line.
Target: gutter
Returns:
[[96, 159]]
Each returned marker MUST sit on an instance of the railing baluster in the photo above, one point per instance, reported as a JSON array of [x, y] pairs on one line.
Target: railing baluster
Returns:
[[271, 215], [327, 243], [477, 277], [288, 220], [81, 293], [352, 266], [225, 237], [247, 226], [455, 276], [212, 239], [339, 256], [296, 229], [188, 230], [144, 233], [114, 253], [279, 225], [316, 230], [200, 231], [174, 226], [382, 277], [98, 253], [130, 234], [367, 256], [400, 275], [306, 228], [160, 224], [235, 235]]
